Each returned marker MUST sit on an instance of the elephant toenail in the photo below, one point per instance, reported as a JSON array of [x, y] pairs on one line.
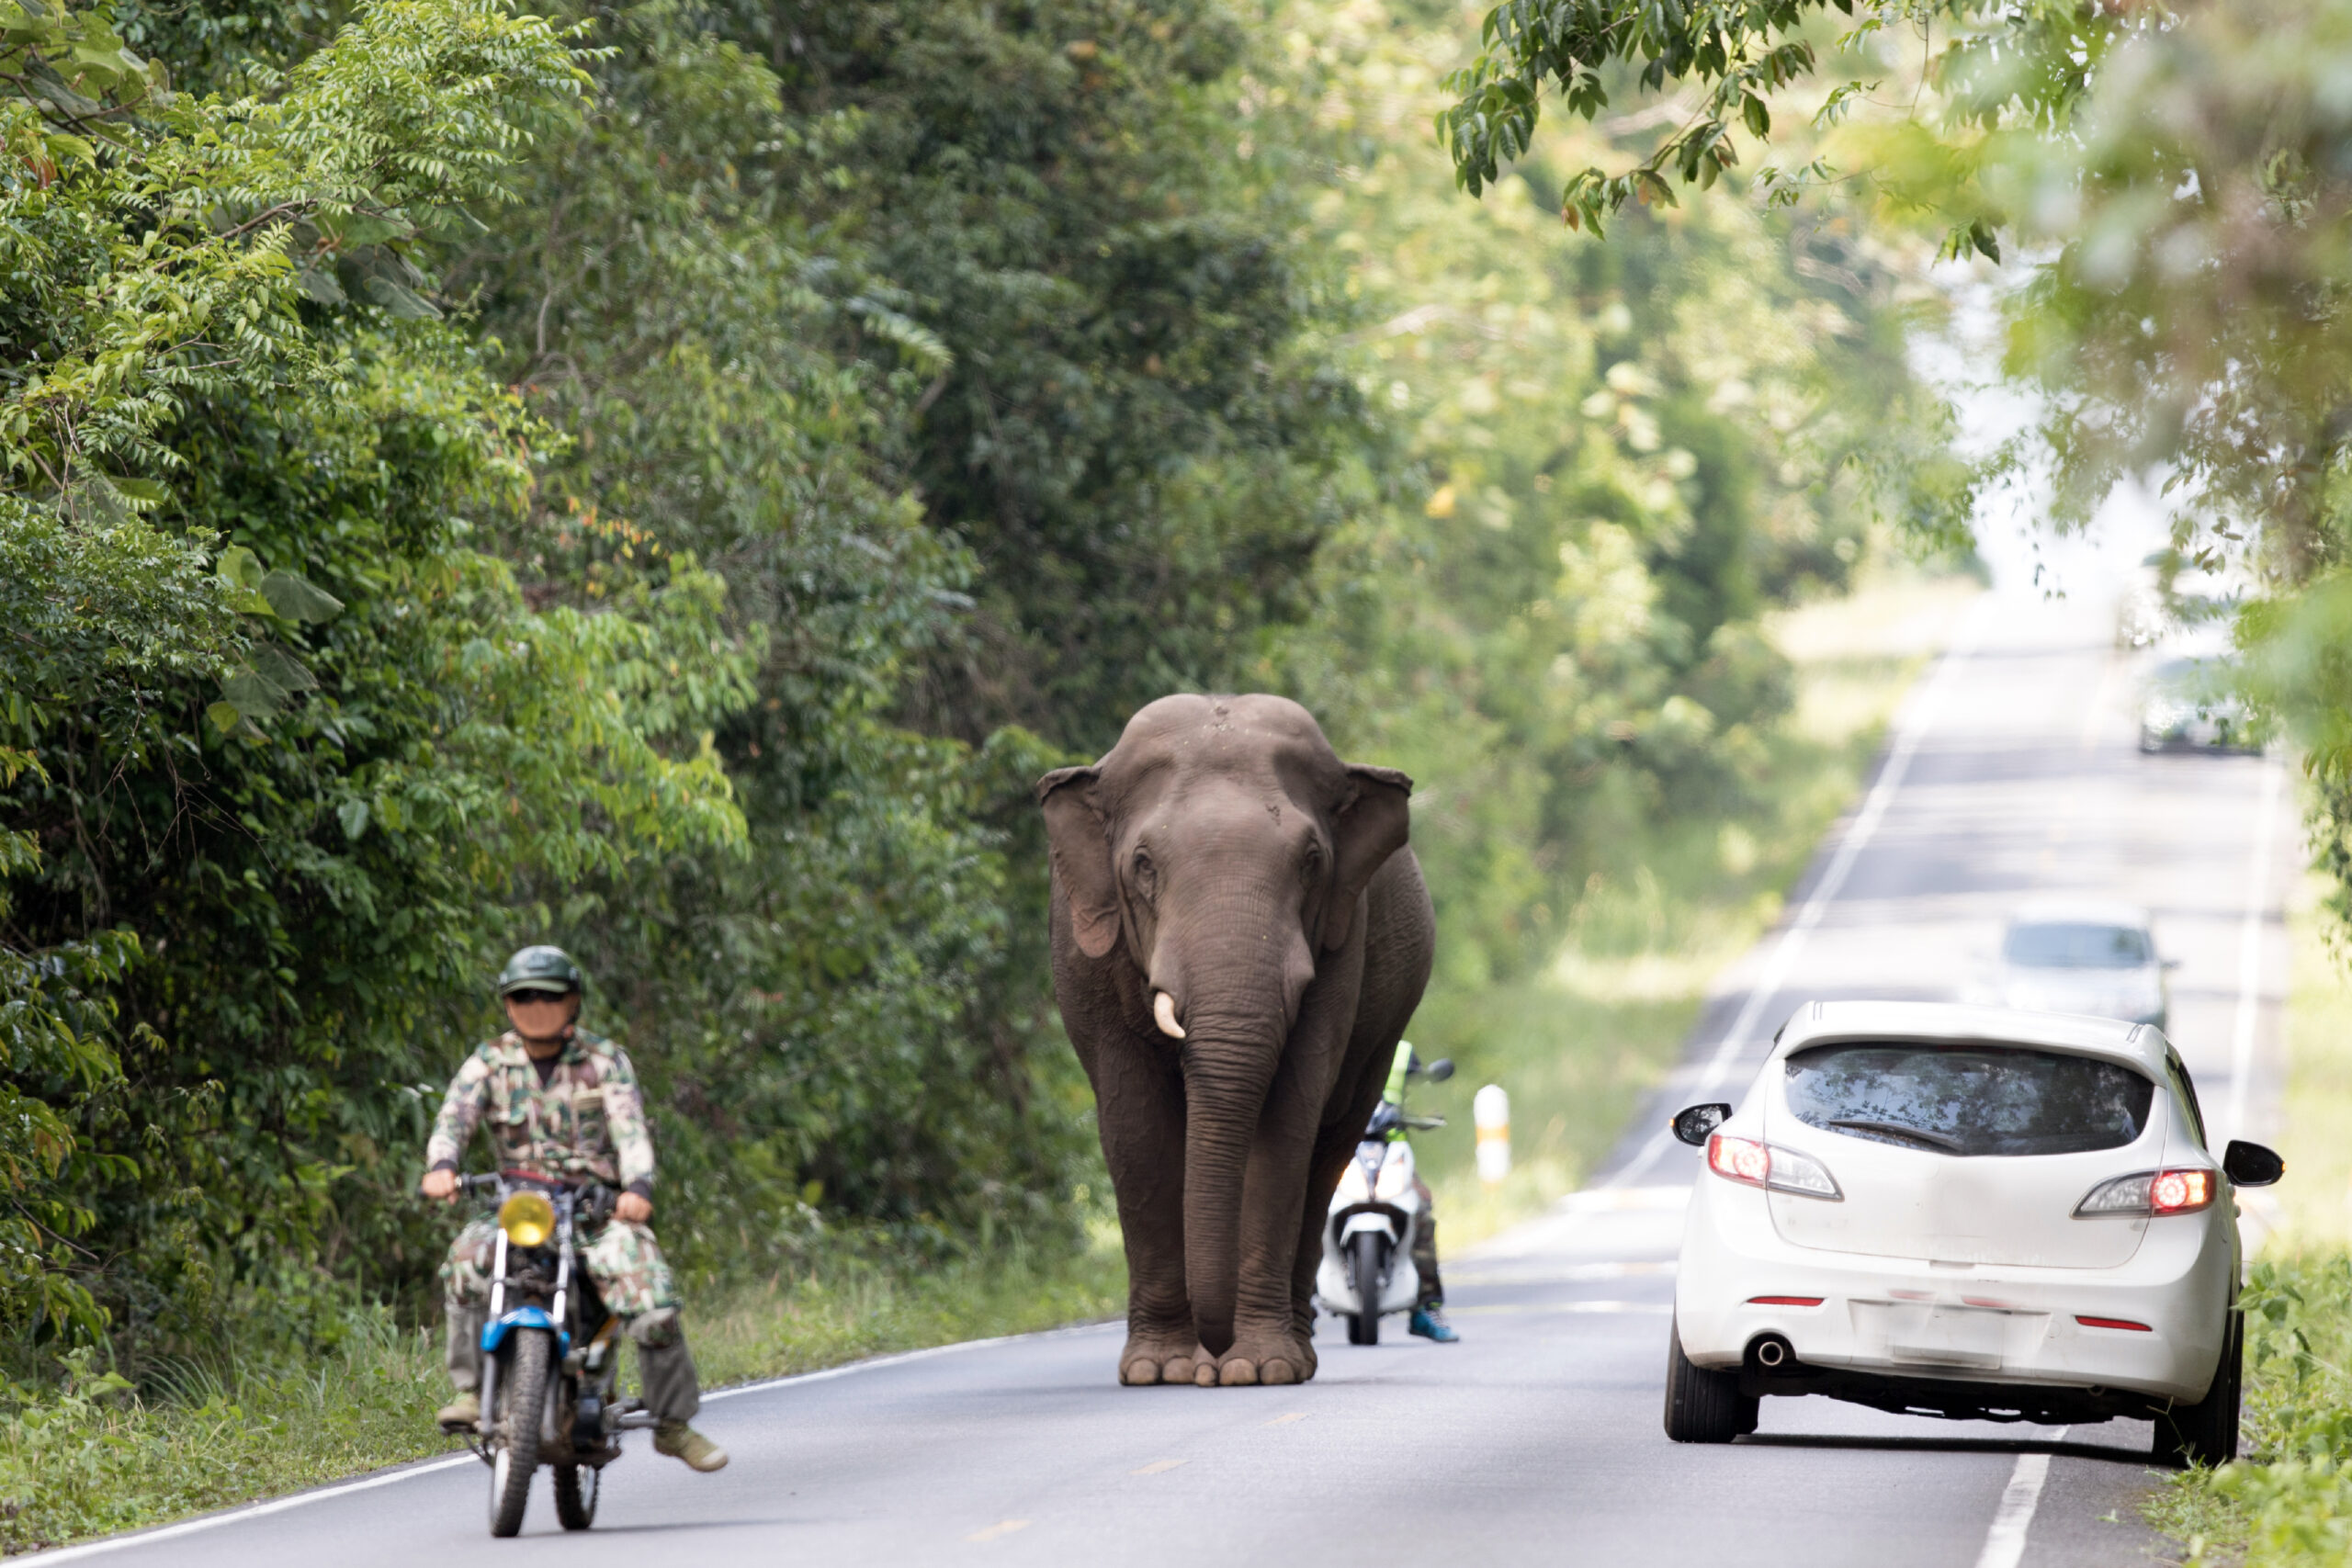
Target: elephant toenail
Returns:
[[1276, 1373], [1139, 1372], [1205, 1374], [1238, 1374]]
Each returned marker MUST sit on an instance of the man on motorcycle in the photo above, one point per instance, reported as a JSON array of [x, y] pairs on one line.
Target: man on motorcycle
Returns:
[[563, 1103], [1428, 1313]]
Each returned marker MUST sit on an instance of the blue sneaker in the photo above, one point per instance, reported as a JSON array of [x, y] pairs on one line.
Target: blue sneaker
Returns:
[[1430, 1323]]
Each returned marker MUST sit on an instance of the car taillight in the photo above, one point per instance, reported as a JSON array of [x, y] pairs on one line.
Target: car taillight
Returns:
[[1766, 1165], [2182, 1190], [2123, 1323]]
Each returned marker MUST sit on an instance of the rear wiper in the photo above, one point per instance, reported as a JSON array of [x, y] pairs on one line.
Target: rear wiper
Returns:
[[1943, 1141]]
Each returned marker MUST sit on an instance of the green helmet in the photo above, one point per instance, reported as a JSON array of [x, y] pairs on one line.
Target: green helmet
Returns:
[[540, 969]]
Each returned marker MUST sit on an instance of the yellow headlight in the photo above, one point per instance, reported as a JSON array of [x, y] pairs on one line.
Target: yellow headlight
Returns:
[[528, 1218]]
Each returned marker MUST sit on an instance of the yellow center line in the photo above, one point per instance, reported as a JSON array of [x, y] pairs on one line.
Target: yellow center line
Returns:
[[1287, 1420], [1155, 1466], [1003, 1527]]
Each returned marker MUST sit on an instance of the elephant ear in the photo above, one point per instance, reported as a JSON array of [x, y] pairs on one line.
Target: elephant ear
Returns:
[[1372, 824], [1080, 843]]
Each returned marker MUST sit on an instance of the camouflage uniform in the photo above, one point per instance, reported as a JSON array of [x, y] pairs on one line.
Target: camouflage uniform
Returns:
[[585, 1124]]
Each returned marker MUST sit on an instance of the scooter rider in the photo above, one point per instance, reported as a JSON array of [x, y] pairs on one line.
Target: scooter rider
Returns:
[[563, 1103], [1428, 1313]]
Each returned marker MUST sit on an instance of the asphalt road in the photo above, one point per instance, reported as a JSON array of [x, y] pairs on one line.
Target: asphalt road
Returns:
[[1537, 1439]]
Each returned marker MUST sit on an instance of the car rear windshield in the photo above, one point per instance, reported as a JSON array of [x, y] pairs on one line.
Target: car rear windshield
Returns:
[[1970, 1099], [2066, 944]]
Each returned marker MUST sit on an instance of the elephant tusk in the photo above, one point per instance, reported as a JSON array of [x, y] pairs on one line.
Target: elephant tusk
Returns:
[[1163, 1013]]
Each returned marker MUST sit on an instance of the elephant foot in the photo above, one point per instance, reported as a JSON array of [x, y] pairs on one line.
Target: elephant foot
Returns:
[[1272, 1361], [1149, 1359]]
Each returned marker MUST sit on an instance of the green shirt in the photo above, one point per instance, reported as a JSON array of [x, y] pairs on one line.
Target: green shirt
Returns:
[[587, 1121], [1393, 1092]]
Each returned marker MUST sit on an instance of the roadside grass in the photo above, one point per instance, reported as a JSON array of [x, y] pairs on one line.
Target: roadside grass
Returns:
[[1577, 1044], [2287, 1502], [94, 1455]]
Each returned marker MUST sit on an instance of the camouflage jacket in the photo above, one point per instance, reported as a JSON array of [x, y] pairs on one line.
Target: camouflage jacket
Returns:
[[587, 1121]]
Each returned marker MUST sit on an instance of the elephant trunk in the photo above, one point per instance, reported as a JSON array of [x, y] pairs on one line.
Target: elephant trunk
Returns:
[[1224, 1094]]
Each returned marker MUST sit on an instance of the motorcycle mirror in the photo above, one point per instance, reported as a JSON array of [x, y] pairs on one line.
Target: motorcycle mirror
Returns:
[[1696, 1124], [2251, 1164], [1439, 1070]]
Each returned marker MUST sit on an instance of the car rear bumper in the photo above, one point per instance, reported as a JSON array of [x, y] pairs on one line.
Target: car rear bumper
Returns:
[[1997, 1325]]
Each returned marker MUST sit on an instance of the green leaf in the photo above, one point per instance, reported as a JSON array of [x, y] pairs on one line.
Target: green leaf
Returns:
[[403, 303], [249, 696], [353, 814], [296, 598], [225, 716], [240, 566], [281, 671]]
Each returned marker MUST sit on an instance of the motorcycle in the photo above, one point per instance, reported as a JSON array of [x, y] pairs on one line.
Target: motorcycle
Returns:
[[1376, 1213], [551, 1354]]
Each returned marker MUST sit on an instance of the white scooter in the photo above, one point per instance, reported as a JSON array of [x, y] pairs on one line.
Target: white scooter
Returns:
[[1367, 1270]]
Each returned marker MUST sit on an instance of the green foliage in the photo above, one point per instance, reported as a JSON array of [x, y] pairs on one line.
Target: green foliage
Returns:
[[267, 706], [2288, 1499], [1627, 454], [1995, 68]]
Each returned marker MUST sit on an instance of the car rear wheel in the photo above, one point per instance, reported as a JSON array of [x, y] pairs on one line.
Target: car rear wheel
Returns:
[[1702, 1405], [2206, 1433]]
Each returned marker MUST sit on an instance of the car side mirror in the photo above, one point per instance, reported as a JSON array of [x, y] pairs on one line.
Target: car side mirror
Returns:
[[2251, 1164], [1439, 1070], [1697, 1123]]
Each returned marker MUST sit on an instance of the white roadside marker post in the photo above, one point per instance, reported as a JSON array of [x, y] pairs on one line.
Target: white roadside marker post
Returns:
[[1490, 1109]]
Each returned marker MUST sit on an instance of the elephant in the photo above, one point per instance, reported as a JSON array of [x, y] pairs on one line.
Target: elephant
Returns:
[[1240, 935]]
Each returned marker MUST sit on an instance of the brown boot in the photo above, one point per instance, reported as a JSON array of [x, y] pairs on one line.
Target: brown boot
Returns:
[[462, 1413], [681, 1441]]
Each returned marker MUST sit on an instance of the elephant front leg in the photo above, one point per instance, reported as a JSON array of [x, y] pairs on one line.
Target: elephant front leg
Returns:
[[1141, 1117], [1273, 1343]]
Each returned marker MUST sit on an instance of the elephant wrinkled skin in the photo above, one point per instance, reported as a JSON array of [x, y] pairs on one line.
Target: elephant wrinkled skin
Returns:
[[1239, 936]]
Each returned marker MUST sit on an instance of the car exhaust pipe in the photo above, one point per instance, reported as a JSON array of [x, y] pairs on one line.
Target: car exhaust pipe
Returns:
[[1773, 1353]]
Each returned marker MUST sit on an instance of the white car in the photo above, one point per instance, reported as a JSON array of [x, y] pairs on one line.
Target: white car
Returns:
[[2082, 955], [1968, 1213]]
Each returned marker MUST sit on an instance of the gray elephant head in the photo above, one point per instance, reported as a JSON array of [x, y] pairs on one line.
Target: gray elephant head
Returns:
[[1218, 857]]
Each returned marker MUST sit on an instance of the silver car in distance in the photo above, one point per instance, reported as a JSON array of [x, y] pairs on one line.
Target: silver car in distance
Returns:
[[2082, 955], [1963, 1211]]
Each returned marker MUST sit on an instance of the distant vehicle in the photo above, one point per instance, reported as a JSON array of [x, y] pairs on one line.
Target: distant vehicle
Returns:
[[2081, 955], [2167, 602], [2190, 702], [1968, 1213]]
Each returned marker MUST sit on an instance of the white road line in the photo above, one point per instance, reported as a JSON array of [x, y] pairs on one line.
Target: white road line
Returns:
[[1916, 721], [2005, 1543], [2249, 1010], [408, 1472]]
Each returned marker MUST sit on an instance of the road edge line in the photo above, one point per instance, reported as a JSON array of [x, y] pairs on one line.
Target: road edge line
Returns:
[[450, 1461], [2004, 1542]]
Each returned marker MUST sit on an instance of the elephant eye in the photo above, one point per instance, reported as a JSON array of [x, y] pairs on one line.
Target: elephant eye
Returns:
[[1310, 865], [1147, 878]]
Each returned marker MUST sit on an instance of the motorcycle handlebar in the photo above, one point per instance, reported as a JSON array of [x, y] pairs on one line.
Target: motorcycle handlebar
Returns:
[[1423, 1123], [590, 1200]]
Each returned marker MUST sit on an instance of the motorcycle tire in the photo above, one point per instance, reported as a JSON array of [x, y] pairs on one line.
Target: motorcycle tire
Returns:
[[576, 1486], [522, 1398], [1363, 1260]]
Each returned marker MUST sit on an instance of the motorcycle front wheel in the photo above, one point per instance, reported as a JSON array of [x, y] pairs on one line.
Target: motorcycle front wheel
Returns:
[[523, 1403], [576, 1494], [1363, 1265]]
